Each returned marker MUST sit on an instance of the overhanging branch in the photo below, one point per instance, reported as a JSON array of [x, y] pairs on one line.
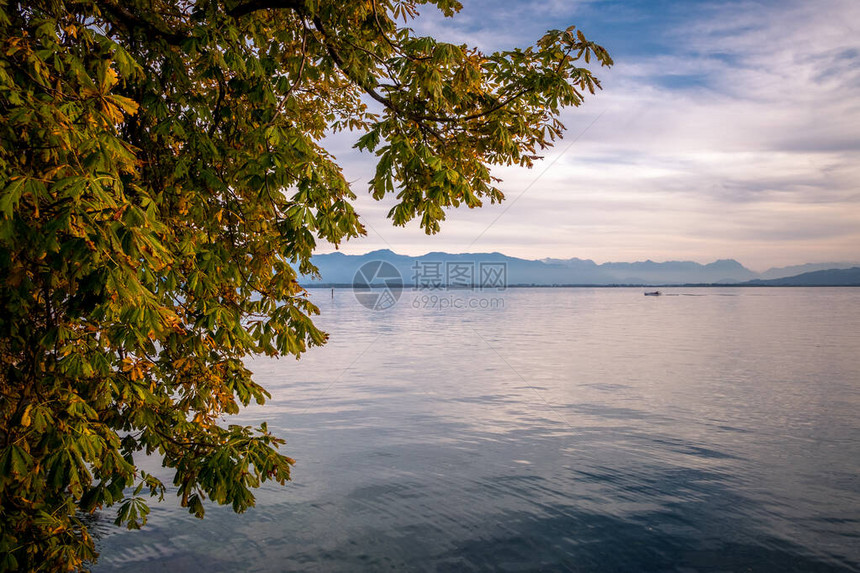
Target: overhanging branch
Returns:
[[132, 22], [255, 5]]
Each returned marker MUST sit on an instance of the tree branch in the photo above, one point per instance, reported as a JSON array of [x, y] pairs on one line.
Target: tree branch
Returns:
[[417, 117], [132, 21], [328, 44], [256, 5]]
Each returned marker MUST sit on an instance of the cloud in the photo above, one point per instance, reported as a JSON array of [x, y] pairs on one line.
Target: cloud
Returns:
[[724, 130]]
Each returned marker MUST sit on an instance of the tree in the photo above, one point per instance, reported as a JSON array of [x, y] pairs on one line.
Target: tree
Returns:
[[162, 180]]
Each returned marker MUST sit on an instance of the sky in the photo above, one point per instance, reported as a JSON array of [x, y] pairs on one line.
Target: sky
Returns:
[[724, 130]]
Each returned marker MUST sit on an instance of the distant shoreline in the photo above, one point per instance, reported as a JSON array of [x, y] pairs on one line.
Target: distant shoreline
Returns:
[[679, 285]]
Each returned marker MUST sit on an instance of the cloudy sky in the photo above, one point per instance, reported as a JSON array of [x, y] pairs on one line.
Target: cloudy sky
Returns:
[[725, 130]]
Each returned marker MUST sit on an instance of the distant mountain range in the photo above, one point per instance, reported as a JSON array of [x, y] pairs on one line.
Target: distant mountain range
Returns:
[[340, 269], [830, 277]]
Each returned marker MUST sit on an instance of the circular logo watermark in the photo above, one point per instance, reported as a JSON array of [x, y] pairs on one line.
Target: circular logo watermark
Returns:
[[377, 285]]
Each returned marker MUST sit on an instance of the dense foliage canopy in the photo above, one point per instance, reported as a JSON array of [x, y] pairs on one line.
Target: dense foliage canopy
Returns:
[[162, 180]]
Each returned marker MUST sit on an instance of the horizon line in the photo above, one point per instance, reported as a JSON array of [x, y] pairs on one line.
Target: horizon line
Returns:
[[542, 260]]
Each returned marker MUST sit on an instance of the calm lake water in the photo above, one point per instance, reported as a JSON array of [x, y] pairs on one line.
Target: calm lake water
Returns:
[[553, 429]]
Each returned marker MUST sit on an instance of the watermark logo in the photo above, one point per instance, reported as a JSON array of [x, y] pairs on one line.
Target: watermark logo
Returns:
[[453, 275], [377, 285], [444, 302]]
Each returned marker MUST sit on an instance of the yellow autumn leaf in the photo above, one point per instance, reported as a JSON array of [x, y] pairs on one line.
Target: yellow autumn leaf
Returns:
[[128, 105], [25, 417], [110, 78]]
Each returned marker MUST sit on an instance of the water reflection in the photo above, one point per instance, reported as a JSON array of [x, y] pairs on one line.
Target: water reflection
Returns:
[[575, 429]]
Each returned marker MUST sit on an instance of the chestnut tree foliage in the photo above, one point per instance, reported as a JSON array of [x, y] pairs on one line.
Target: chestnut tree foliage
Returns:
[[163, 178]]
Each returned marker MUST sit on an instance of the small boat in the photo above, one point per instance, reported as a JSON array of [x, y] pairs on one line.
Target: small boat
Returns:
[[655, 293]]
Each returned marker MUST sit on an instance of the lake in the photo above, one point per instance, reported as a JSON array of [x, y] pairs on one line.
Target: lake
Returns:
[[558, 429]]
